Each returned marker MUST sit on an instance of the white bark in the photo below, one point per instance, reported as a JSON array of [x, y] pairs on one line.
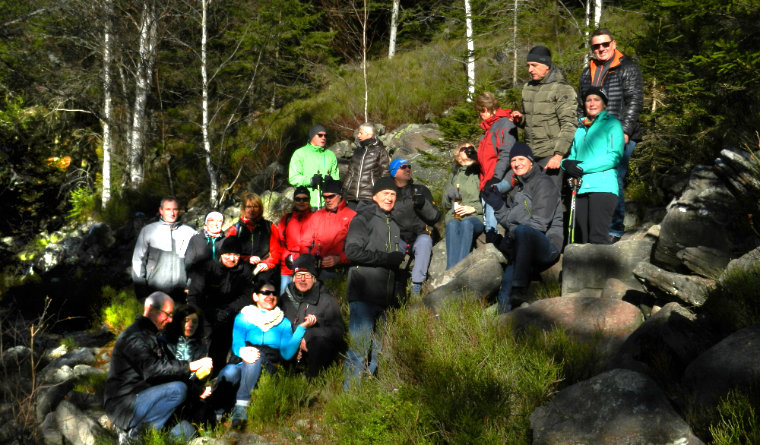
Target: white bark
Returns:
[[394, 28], [143, 77], [107, 106], [213, 182], [597, 13], [470, 52], [364, 20], [514, 44]]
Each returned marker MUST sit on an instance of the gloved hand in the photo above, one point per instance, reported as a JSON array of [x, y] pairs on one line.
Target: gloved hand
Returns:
[[289, 261], [316, 181], [507, 246], [394, 259], [493, 199], [491, 183], [222, 315], [419, 201], [572, 168]]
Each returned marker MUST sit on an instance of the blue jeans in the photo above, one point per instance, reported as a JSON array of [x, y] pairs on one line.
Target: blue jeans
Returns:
[[617, 228], [244, 376], [531, 249], [421, 251], [156, 404], [459, 237], [491, 225], [363, 319], [284, 281]]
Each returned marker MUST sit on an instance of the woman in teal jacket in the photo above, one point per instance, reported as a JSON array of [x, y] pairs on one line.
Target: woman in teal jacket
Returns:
[[596, 151]]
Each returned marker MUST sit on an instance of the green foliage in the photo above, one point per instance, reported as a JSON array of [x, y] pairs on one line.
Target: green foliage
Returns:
[[460, 123], [278, 396], [739, 423], [733, 304], [84, 204], [120, 309]]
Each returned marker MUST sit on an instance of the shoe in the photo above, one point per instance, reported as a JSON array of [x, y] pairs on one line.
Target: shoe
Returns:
[[415, 289], [239, 414], [614, 239]]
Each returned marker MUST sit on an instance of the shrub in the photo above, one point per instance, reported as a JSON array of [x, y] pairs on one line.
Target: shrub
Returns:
[[120, 309], [83, 203], [733, 304], [739, 423]]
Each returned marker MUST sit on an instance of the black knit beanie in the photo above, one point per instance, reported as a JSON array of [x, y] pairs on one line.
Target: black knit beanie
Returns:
[[521, 149], [314, 130], [540, 54]]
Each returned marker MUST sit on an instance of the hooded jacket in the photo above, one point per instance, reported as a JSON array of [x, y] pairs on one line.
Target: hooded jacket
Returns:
[[221, 291], [158, 257], [330, 230], [139, 361], [493, 148], [295, 237], [306, 162], [411, 220], [368, 164], [622, 82], [549, 115], [600, 147], [372, 236], [201, 248], [535, 202]]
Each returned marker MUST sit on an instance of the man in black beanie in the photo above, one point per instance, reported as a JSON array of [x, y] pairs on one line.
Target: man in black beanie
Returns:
[[548, 116], [312, 163]]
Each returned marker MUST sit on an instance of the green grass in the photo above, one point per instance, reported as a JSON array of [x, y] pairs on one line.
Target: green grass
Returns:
[[738, 420], [733, 304]]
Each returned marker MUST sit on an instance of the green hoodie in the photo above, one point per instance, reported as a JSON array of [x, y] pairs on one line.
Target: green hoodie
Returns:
[[306, 162]]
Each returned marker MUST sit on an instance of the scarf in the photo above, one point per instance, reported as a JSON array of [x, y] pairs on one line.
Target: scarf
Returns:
[[264, 320]]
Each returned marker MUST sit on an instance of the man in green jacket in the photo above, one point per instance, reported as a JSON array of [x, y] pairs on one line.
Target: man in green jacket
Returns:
[[549, 113], [311, 163]]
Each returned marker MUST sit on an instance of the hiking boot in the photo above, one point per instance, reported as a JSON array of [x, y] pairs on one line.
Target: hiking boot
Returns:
[[239, 414]]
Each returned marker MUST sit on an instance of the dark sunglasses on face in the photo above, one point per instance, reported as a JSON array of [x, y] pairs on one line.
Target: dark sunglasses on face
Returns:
[[596, 46], [329, 196], [301, 199], [406, 167], [322, 135], [266, 292]]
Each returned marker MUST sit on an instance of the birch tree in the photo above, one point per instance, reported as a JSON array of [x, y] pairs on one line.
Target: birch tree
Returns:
[[470, 51], [213, 178], [394, 29], [107, 105], [597, 13]]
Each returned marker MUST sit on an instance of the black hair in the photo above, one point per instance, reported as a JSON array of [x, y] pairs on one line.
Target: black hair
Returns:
[[176, 328]]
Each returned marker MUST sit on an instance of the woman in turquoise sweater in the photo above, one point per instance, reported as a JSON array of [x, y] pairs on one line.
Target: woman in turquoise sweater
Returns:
[[261, 337], [596, 151]]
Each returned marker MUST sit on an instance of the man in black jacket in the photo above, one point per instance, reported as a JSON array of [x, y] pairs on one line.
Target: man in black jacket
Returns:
[[322, 342], [620, 77], [368, 164], [415, 213], [372, 246], [144, 383]]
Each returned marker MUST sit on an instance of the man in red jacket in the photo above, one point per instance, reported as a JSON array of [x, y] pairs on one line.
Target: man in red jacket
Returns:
[[296, 234], [330, 229]]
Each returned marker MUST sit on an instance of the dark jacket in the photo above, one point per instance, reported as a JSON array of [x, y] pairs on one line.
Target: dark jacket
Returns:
[[258, 238], [623, 84], [139, 361], [319, 302], [535, 202], [368, 164], [221, 292], [413, 221], [200, 249], [372, 236]]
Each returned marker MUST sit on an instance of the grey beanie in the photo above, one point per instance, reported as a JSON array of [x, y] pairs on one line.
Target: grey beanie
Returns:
[[540, 54], [314, 130]]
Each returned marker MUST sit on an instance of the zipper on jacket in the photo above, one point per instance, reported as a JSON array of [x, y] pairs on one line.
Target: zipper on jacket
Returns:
[[359, 176]]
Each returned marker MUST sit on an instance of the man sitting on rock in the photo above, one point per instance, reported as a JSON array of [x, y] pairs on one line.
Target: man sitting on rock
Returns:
[[532, 216], [145, 381]]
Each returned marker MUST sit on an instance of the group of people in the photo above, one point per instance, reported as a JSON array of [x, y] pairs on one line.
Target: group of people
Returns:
[[235, 317]]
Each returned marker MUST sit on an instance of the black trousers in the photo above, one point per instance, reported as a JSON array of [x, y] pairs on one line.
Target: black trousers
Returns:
[[593, 215]]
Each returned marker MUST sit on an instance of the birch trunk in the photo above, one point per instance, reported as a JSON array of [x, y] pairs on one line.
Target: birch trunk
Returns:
[[470, 52], [394, 28], [597, 13], [107, 106], [213, 182], [143, 74], [365, 19], [514, 45]]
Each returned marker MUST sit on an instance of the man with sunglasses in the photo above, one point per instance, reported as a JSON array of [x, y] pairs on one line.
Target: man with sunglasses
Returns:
[[330, 227], [621, 79], [312, 163], [415, 213], [296, 234]]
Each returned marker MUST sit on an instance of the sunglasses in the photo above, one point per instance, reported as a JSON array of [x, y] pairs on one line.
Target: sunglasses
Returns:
[[301, 199], [406, 167], [322, 135], [329, 196], [266, 292], [606, 44]]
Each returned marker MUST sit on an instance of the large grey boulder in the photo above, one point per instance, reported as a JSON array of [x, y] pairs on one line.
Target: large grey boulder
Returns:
[[77, 427], [748, 262], [704, 261], [422, 145], [603, 323], [477, 276], [591, 265], [689, 289], [732, 363], [665, 343], [706, 214], [437, 264], [613, 408]]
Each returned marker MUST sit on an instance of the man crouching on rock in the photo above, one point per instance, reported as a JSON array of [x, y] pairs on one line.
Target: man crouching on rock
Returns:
[[144, 384]]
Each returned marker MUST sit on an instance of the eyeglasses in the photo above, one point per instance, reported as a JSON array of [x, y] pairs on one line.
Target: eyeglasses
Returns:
[[606, 44], [168, 314], [266, 292], [329, 196], [302, 276], [466, 147], [322, 135], [406, 167], [301, 199], [253, 207]]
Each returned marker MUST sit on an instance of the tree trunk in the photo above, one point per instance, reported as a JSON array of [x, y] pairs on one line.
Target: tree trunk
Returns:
[[514, 45], [470, 52], [107, 106], [143, 75], [394, 28], [364, 20], [213, 182], [597, 13]]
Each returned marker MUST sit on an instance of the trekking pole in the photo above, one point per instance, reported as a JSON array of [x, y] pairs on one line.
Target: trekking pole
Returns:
[[575, 184]]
